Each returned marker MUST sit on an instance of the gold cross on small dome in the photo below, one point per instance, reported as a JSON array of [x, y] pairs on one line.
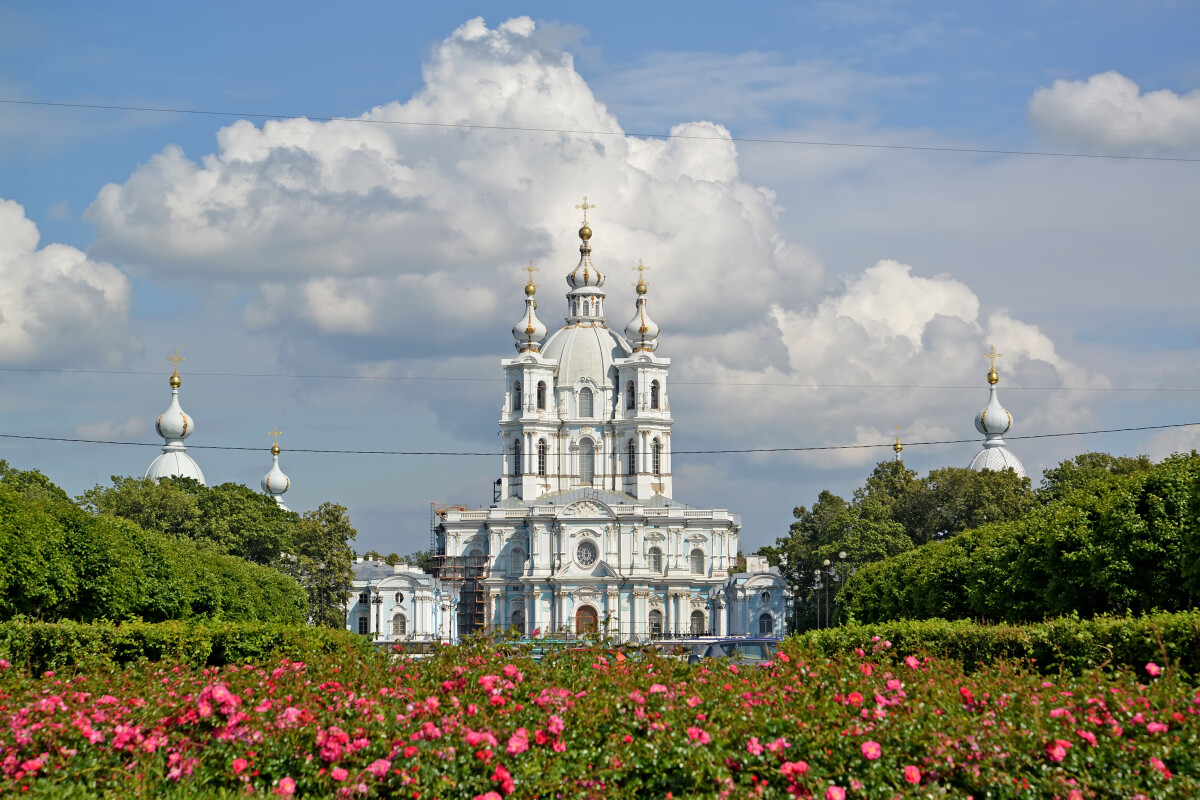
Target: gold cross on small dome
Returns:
[[275, 432], [585, 208], [175, 358], [992, 355]]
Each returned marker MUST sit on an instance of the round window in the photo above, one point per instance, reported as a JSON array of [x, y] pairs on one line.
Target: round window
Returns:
[[766, 597], [399, 597], [586, 554]]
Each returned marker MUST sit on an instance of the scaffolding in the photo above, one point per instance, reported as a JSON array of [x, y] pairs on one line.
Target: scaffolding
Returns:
[[463, 575]]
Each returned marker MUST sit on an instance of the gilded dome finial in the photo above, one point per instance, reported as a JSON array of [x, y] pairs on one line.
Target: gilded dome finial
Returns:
[[275, 447], [992, 377], [585, 232], [530, 287], [897, 446], [176, 381], [640, 287]]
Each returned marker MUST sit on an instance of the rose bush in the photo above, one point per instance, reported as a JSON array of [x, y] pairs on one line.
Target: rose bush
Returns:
[[485, 721]]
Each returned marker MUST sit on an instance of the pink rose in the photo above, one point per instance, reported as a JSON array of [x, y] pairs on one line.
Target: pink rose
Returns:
[[1056, 751], [379, 768], [835, 793], [753, 747], [1156, 727], [793, 769], [1153, 669], [555, 725], [912, 774], [239, 764], [286, 787], [871, 750], [518, 742], [912, 662], [340, 773]]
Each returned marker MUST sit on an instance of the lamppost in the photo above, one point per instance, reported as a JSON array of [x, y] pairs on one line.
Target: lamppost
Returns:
[[838, 573], [817, 587], [377, 601]]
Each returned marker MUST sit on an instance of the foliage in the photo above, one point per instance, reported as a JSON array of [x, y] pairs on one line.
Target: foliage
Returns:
[[484, 722], [893, 512], [39, 646], [1111, 536], [234, 520], [1065, 643], [62, 562]]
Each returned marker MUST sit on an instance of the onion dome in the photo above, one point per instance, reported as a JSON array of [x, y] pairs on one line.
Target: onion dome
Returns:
[[275, 483], [174, 425], [585, 301], [897, 447], [642, 331], [993, 422], [529, 330]]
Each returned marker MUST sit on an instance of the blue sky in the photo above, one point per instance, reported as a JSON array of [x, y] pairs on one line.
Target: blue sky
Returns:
[[1090, 265]]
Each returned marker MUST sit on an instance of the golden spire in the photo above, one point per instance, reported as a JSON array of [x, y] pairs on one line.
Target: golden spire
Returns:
[[176, 381], [992, 355], [275, 432], [897, 446], [585, 232], [641, 284]]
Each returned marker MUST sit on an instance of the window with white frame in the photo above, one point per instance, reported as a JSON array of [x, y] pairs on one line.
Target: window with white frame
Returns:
[[630, 396], [585, 402], [362, 624], [517, 396], [654, 390], [541, 395], [697, 559], [630, 458], [766, 624], [656, 457], [541, 457], [518, 620], [656, 560], [516, 561], [587, 462], [656, 623], [697, 627], [399, 625], [516, 458]]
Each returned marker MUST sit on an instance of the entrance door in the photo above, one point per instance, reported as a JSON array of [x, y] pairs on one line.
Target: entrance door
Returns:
[[587, 620]]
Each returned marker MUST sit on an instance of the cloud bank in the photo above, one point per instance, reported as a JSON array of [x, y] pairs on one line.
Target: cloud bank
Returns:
[[406, 239], [1109, 112], [56, 305]]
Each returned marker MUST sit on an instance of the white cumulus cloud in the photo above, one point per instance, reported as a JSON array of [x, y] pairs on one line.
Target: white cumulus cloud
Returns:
[[56, 304], [1110, 112]]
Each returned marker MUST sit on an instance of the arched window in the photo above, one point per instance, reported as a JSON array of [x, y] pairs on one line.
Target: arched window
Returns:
[[587, 462], [656, 623], [517, 396], [655, 559], [654, 394], [585, 402], [542, 457], [657, 454], [587, 620], [399, 625], [630, 458], [766, 624], [697, 627], [516, 459], [518, 620], [630, 396], [541, 396], [362, 625], [697, 560], [516, 561]]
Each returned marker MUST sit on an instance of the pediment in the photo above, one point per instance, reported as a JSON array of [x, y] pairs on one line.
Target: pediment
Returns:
[[586, 508]]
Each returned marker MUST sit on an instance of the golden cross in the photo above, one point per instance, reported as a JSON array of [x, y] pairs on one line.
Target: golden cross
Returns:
[[641, 267], [992, 355], [897, 431], [275, 432], [530, 269], [176, 358], [585, 208]]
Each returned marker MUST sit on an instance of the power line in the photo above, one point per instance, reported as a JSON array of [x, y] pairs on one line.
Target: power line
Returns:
[[437, 379], [676, 452], [587, 132]]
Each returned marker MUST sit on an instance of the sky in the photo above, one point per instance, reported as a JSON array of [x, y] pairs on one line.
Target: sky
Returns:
[[333, 235]]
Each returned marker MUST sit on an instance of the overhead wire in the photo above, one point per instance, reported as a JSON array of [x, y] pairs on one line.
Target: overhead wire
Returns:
[[813, 448], [590, 132]]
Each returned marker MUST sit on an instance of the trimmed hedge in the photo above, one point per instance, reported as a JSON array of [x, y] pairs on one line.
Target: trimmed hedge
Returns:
[[36, 647], [1068, 644]]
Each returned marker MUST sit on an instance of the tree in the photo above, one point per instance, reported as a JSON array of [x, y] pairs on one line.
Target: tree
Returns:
[[950, 500], [321, 562]]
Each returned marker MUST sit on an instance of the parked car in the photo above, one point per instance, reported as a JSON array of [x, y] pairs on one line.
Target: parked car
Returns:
[[749, 650]]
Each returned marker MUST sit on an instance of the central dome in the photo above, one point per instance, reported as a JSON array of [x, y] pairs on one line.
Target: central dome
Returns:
[[585, 351]]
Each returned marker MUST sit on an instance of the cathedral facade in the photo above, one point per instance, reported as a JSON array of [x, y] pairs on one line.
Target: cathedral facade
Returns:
[[585, 535]]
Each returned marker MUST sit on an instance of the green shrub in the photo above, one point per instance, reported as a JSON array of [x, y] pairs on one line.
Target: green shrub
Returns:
[[1066, 643], [36, 647]]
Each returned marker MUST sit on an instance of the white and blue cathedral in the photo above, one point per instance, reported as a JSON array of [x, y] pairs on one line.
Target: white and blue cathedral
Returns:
[[585, 535]]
